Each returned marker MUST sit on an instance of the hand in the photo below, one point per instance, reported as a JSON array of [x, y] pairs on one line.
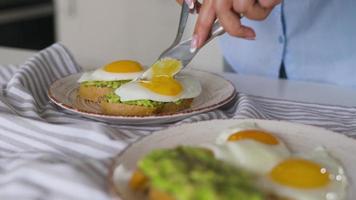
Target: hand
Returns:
[[229, 13], [191, 3]]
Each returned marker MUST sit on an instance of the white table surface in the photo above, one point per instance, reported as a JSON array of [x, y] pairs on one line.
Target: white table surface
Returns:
[[254, 85], [294, 90]]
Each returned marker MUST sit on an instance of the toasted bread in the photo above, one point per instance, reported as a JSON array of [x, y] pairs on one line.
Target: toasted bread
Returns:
[[155, 194], [135, 110], [142, 183], [173, 108], [93, 93], [126, 110]]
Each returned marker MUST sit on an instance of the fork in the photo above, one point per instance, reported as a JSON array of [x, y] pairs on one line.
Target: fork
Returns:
[[181, 50], [184, 15]]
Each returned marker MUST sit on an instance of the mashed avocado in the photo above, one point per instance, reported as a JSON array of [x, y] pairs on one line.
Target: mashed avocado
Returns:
[[113, 98], [109, 84], [188, 173]]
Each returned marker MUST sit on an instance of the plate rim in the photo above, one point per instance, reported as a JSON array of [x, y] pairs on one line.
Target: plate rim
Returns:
[[156, 117], [109, 178]]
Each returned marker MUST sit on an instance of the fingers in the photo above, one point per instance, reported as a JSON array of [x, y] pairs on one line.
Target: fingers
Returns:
[[228, 12], [190, 3], [255, 10], [269, 3], [194, 5], [180, 1], [230, 20], [204, 24]]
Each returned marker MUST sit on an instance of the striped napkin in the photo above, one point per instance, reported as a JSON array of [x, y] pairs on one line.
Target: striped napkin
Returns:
[[47, 153]]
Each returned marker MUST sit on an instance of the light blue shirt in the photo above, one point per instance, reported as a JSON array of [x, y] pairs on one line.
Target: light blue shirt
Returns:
[[315, 39]]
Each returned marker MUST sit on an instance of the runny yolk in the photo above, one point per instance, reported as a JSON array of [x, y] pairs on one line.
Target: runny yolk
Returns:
[[162, 81], [123, 66], [256, 135], [300, 173], [166, 67], [138, 181], [163, 85]]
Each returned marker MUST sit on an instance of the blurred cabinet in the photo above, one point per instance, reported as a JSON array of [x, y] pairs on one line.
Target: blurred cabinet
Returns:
[[26, 23], [98, 32]]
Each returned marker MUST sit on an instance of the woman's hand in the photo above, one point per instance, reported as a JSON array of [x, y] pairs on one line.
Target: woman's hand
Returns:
[[229, 13], [190, 3]]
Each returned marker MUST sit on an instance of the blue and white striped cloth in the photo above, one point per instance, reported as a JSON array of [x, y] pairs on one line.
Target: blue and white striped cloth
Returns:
[[47, 153]]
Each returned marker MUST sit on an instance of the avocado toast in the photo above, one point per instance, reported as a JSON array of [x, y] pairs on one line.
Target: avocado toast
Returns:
[[112, 105], [189, 173]]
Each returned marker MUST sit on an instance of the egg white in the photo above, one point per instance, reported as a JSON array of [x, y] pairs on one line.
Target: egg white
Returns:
[[335, 190], [135, 91], [251, 155], [102, 75]]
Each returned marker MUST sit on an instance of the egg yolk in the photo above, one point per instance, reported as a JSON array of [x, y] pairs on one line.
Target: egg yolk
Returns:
[[300, 173], [123, 66], [163, 85], [257, 135], [166, 67], [162, 81]]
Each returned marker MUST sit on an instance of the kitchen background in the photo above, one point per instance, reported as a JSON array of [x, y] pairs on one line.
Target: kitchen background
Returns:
[[99, 31]]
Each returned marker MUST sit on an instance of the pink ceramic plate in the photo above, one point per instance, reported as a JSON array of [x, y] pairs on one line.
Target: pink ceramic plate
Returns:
[[216, 92]]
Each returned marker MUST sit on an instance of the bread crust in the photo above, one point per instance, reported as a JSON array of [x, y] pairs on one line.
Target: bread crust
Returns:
[[93, 93], [125, 109], [135, 110], [155, 194], [173, 108]]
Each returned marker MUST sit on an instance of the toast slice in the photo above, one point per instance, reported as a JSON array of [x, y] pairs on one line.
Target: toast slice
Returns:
[[126, 109], [93, 93], [123, 109], [95, 90], [158, 167], [173, 107]]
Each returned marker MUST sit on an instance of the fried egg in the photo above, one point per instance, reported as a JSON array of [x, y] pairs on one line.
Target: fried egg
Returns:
[[249, 147], [161, 85], [312, 176], [115, 71]]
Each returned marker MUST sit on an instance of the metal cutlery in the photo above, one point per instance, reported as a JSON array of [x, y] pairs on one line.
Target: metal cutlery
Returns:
[[179, 49]]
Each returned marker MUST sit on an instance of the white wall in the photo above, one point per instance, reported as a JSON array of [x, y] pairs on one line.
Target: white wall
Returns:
[[99, 31]]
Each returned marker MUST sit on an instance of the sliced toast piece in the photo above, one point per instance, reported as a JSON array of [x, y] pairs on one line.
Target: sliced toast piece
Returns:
[[136, 110], [93, 93]]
